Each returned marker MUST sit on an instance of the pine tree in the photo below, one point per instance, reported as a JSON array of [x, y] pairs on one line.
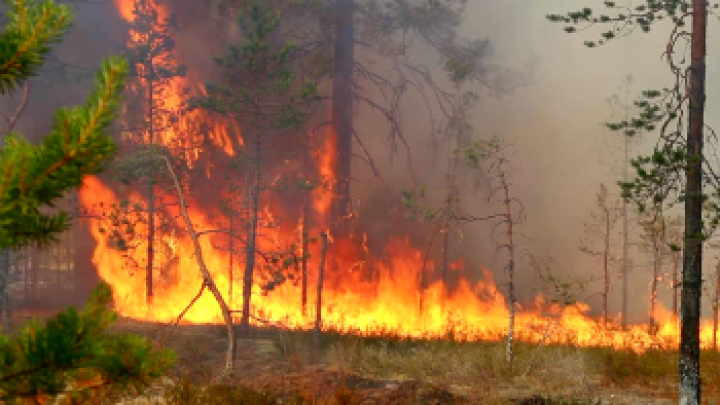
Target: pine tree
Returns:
[[71, 354], [265, 93]]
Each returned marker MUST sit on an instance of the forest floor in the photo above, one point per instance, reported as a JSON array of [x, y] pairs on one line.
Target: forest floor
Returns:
[[281, 366]]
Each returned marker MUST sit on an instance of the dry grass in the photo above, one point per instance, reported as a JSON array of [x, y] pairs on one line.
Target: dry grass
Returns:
[[277, 366]]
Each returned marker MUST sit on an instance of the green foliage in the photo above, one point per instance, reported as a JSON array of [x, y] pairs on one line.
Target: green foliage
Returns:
[[262, 86], [624, 19], [150, 49], [33, 176], [73, 354], [25, 41]]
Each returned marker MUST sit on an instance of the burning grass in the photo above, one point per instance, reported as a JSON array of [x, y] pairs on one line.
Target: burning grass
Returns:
[[281, 366]]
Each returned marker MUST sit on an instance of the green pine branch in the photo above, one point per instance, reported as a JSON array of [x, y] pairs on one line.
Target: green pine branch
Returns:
[[72, 347], [34, 176], [25, 41]]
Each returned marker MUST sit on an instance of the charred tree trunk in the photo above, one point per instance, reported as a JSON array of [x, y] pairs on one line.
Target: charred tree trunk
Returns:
[[251, 240], [342, 109], [689, 362]]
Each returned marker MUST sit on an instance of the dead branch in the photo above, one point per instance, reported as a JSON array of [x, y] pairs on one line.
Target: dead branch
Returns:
[[208, 280]]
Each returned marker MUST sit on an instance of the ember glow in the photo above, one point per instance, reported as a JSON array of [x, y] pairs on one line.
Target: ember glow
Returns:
[[362, 294]]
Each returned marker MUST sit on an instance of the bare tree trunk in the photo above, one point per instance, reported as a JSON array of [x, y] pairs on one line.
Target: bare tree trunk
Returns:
[[716, 305], [231, 248], [342, 106], [676, 283], [624, 311], [207, 277], [654, 281], [303, 269], [150, 242], [606, 267], [446, 264], [318, 299], [510, 268], [151, 200], [252, 239], [689, 362]]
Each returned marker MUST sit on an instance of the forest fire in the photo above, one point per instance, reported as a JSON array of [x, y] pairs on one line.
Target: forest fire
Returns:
[[384, 304], [364, 295]]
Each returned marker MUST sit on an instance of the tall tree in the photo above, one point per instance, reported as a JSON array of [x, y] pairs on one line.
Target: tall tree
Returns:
[[677, 166], [269, 97], [149, 116]]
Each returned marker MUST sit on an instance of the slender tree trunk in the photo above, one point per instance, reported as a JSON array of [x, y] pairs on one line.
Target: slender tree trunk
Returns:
[[318, 299], [654, 281], [624, 310], [151, 200], [676, 285], [252, 238], [342, 107], [689, 362], [446, 262], [231, 247], [510, 269], [150, 242], [303, 263], [606, 267], [716, 305]]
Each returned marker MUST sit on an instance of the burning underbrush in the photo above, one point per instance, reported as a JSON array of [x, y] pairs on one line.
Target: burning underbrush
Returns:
[[363, 293]]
